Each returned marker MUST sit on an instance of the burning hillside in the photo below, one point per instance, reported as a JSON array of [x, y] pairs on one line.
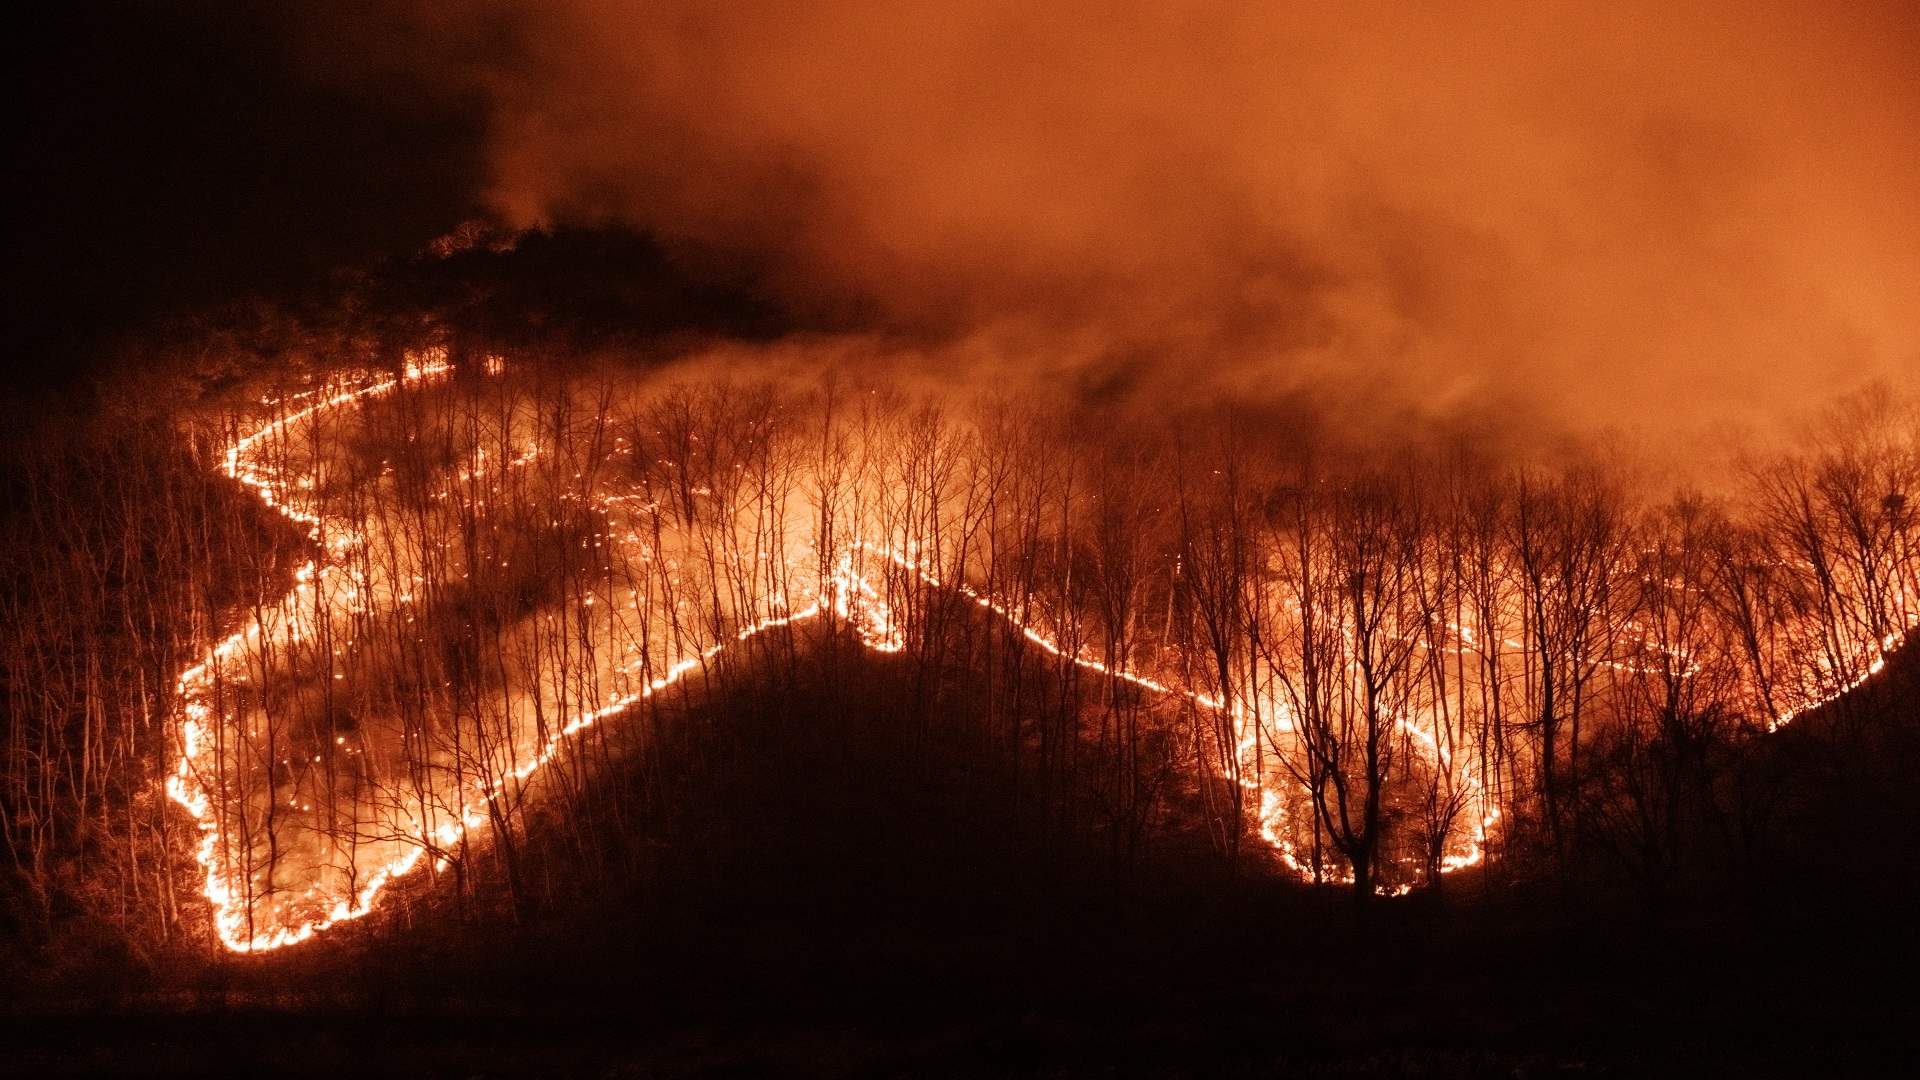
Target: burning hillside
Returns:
[[1373, 673], [961, 537]]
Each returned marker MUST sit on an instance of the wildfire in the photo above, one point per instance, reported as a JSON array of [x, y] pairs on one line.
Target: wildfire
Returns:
[[194, 688], [331, 593], [845, 592]]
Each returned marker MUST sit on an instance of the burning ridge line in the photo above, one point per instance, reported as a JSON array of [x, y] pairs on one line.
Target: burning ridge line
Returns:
[[846, 592], [1272, 806]]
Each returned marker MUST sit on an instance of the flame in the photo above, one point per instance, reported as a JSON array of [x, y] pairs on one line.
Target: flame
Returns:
[[844, 589], [845, 592]]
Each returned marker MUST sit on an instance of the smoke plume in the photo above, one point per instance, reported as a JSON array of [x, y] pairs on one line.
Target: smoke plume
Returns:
[[1550, 214]]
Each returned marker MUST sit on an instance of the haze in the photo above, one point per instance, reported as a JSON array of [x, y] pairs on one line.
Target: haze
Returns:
[[1633, 218]]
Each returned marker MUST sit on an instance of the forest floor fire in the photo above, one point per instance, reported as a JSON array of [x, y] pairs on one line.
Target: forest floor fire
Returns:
[[277, 875]]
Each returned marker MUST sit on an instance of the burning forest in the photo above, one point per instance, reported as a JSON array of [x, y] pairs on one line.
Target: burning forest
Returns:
[[966, 542], [1363, 671]]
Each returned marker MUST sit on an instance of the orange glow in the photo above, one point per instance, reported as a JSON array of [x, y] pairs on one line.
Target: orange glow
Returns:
[[336, 590]]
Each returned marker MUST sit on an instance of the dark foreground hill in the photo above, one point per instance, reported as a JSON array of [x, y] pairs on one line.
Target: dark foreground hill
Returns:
[[831, 894]]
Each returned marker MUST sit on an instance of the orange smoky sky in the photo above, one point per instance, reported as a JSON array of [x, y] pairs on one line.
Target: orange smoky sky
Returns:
[[1627, 214]]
